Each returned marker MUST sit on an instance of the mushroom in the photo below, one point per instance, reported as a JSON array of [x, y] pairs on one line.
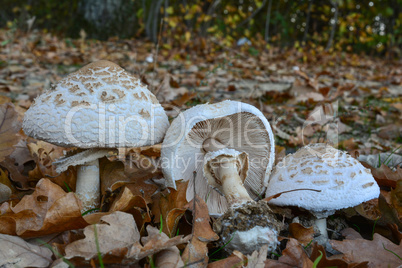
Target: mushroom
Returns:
[[341, 182], [213, 127], [230, 145], [98, 106]]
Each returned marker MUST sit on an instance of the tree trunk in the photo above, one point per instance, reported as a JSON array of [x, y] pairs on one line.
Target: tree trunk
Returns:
[[266, 36], [331, 37], [102, 19], [211, 10], [310, 4], [151, 17]]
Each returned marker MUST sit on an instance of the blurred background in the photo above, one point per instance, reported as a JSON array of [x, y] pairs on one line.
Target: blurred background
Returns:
[[372, 27]]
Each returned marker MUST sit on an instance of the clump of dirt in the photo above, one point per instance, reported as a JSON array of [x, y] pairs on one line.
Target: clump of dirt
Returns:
[[245, 218]]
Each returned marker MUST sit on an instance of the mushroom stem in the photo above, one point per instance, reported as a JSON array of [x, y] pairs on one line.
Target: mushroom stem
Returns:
[[232, 184], [88, 185], [225, 171], [321, 224]]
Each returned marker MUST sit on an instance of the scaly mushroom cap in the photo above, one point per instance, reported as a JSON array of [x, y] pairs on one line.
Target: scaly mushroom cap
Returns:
[[236, 125], [342, 180], [100, 105]]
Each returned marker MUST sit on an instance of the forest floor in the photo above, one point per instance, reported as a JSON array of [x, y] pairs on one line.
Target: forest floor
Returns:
[[353, 102]]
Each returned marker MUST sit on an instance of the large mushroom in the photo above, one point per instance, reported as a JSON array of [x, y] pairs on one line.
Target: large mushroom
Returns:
[[230, 127], [99, 106], [341, 182], [230, 146]]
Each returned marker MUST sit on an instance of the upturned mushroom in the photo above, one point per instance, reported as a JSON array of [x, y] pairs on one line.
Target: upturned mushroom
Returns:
[[98, 106], [230, 145], [341, 182], [209, 128]]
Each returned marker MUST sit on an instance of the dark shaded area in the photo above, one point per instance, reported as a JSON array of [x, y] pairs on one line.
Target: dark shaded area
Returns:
[[356, 26]]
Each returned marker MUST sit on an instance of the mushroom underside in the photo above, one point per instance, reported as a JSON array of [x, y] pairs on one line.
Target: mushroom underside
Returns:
[[228, 131]]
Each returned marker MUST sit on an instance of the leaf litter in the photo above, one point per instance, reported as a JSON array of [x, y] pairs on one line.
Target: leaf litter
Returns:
[[352, 102]]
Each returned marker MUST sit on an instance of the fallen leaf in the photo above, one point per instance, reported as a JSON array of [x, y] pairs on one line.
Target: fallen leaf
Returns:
[[184, 98], [170, 204], [196, 252], [384, 176], [44, 154], [167, 93], [389, 215], [232, 261], [396, 197], [280, 152], [114, 175], [9, 128], [47, 210], [292, 256], [167, 256], [257, 258], [379, 252], [302, 234], [117, 239], [6, 188], [135, 205], [16, 252], [333, 262], [157, 241], [369, 209], [116, 230]]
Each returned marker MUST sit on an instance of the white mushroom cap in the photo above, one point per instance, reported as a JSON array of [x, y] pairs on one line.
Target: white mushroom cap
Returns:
[[342, 180], [101, 106], [236, 125]]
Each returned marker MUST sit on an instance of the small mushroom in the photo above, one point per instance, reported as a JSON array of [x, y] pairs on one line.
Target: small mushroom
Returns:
[[341, 182], [99, 106], [223, 126], [230, 145]]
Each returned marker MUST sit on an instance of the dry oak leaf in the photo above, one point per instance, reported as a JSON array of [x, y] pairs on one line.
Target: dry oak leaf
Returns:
[[333, 261], [257, 258], [44, 154], [170, 204], [16, 164], [384, 176], [396, 197], [47, 210], [117, 230], [196, 252], [302, 234], [133, 204], [234, 260], [237, 259], [155, 242], [9, 128], [6, 188], [293, 255], [379, 252], [119, 242], [167, 257], [16, 252], [116, 174]]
